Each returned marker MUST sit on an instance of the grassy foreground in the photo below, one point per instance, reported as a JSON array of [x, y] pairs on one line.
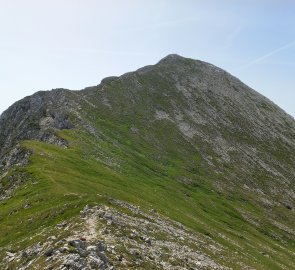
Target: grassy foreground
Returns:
[[60, 182]]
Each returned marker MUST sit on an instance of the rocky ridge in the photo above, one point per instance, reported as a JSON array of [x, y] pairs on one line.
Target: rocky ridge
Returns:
[[118, 237]]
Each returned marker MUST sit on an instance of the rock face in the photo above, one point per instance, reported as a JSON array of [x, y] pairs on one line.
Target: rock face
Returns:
[[181, 136], [37, 117]]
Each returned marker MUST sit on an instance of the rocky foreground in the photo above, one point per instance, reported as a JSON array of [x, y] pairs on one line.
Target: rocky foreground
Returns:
[[119, 236]]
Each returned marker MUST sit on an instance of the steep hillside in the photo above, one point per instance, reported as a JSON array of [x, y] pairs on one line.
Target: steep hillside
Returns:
[[178, 165]]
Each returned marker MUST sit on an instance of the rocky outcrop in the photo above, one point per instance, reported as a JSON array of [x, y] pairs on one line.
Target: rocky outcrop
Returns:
[[119, 237], [38, 117]]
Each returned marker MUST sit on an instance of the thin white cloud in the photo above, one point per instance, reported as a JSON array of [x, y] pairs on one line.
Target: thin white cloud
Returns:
[[232, 37], [259, 59], [66, 50], [166, 24]]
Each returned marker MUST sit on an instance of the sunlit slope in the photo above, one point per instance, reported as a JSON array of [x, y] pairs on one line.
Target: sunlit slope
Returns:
[[181, 137]]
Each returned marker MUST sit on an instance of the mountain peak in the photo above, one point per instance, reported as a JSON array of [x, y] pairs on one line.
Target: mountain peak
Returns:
[[181, 140], [173, 56], [170, 58], [174, 60]]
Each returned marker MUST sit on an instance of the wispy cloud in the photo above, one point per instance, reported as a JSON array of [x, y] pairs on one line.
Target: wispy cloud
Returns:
[[166, 24], [69, 50], [232, 37], [263, 57]]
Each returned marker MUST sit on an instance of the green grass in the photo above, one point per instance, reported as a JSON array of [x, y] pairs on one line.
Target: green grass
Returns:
[[63, 181], [154, 168]]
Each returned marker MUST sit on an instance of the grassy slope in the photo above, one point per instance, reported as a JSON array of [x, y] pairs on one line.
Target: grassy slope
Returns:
[[149, 168], [65, 180]]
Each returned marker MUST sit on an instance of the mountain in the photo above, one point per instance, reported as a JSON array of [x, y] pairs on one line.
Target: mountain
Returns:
[[178, 165]]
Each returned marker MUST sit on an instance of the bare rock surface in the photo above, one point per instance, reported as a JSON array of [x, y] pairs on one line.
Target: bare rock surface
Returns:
[[121, 236]]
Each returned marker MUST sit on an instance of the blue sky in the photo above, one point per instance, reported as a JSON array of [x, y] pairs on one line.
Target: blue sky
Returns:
[[75, 43]]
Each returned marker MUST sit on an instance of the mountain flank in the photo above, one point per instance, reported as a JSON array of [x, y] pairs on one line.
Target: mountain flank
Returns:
[[178, 165]]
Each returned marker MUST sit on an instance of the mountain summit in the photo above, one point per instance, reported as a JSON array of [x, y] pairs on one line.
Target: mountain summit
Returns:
[[178, 165]]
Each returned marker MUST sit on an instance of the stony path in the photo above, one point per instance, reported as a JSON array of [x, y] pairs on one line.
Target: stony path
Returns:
[[119, 237]]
